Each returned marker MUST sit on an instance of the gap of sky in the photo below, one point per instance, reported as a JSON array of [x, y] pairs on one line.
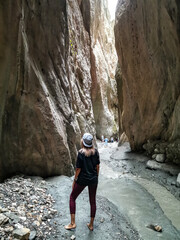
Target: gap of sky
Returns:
[[112, 8]]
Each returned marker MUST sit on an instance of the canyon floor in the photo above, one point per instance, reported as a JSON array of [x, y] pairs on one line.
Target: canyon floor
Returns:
[[130, 197]]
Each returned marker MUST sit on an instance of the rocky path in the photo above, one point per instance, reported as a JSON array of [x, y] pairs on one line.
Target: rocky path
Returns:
[[140, 193], [130, 198]]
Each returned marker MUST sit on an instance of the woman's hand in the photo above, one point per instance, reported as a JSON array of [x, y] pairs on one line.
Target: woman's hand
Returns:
[[73, 185]]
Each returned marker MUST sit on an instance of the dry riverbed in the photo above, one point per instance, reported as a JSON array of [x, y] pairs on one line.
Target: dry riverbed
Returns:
[[130, 197]]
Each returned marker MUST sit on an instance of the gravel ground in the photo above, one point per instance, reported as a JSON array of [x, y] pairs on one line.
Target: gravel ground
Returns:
[[40, 208], [109, 222]]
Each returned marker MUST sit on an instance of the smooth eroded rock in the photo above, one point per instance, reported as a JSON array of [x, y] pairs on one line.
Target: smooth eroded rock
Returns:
[[148, 45], [45, 85], [160, 158], [172, 169]]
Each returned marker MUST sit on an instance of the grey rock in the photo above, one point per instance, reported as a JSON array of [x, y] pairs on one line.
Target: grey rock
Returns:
[[73, 237], [13, 217], [3, 210], [160, 158], [102, 220], [3, 219], [8, 229], [32, 235], [178, 180], [172, 169], [22, 233]]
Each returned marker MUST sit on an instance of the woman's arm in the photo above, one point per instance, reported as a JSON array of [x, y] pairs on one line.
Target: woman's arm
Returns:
[[97, 167], [76, 176]]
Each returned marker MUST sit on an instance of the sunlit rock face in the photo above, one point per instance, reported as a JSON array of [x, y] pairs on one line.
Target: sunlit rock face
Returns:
[[103, 66], [147, 36], [45, 86]]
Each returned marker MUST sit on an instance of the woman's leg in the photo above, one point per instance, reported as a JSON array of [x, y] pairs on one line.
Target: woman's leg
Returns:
[[92, 199], [72, 204]]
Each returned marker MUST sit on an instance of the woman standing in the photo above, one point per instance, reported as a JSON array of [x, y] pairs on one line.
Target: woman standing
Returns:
[[87, 171]]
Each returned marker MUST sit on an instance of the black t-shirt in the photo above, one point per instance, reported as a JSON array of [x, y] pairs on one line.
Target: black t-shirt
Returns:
[[88, 174]]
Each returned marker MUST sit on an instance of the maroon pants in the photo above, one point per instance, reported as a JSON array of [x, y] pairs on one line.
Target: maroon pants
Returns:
[[92, 197]]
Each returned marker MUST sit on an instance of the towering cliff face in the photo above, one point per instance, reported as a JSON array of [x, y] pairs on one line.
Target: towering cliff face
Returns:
[[103, 65], [45, 86], [147, 37], [104, 61], [45, 83]]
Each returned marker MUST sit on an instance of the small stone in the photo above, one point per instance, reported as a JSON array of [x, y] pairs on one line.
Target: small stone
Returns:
[[8, 229], [18, 226], [36, 223], [32, 235], [156, 150], [73, 237], [22, 233], [102, 220], [178, 181], [160, 158], [154, 156], [3, 219], [23, 218], [1, 195], [2, 210]]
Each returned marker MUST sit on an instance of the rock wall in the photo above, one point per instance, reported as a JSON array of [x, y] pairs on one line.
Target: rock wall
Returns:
[[45, 84], [103, 66], [147, 36]]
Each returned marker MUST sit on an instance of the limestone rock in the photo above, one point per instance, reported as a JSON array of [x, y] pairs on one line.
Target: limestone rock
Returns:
[[103, 66], [160, 158], [178, 181], [73, 237], [151, 164], [3, 219], [123, 138], [32, 235], [148, 46], [22, 233], [45, 84]]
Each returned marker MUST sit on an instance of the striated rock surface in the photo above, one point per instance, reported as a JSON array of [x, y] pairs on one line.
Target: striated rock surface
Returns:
[[147, 36], [45, 84], [103, 66]]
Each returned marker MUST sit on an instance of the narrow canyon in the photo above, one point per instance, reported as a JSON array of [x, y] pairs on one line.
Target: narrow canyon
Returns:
[[67, 68]]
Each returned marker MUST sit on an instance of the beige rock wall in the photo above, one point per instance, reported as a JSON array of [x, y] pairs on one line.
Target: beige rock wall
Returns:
[[103, 66], [45, 84], [147, 37]]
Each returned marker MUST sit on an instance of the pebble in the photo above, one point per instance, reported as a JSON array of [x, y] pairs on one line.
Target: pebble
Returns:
[[32, 235], [73, 237], [102, 220], [24, 204]]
